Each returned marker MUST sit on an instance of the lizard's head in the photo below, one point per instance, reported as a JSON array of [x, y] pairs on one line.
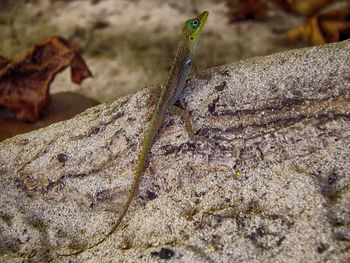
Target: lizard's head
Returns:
[[192, 30]]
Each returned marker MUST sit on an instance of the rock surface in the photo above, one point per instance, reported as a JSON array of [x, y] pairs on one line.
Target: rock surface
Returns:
[[271, 185]]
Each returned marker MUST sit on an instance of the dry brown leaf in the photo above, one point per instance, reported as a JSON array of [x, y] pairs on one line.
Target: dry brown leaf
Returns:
[[310, 33], [25, 81], [333, 29], [3, 62], [63, 106], [284, 5], [325, 27], [308, 7], [246, 9]]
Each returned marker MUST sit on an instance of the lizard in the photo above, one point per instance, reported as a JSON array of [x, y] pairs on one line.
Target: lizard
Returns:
[[169, 94]]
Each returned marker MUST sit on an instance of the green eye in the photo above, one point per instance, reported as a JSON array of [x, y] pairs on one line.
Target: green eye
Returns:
[[195, 24], [192, 24]]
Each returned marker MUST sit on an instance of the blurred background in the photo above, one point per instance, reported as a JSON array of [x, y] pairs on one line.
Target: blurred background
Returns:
[[130, 44]]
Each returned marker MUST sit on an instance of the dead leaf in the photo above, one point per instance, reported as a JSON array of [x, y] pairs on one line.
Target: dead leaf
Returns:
[[63, 106], [285, 5], [308, 7], [25, 81], [310, 33], [323, 27], [3, 62], [333, 29], [246, 9]]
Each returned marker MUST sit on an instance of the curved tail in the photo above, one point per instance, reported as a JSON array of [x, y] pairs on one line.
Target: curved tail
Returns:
[[149, 137]]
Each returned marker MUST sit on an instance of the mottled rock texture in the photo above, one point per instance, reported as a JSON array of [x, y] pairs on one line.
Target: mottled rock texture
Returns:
[[271, 185]]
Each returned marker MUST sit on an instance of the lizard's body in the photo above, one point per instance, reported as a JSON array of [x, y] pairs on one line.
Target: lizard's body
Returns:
[[168, 96]]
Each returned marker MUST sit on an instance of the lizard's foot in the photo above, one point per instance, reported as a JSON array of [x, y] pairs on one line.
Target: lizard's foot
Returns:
[[188, 124]]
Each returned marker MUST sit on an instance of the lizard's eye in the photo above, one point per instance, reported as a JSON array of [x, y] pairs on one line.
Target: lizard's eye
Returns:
[[195, 24], [192, 24], [191, 38], [188, 62]]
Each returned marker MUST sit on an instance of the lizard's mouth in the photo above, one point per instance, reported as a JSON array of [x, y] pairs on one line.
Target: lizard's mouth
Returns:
[[202, 18]]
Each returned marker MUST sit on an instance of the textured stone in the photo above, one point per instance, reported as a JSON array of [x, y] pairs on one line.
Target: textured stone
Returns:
[[271, 184]]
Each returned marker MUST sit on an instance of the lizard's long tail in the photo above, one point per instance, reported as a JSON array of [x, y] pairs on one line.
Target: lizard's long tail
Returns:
[[151, 133]]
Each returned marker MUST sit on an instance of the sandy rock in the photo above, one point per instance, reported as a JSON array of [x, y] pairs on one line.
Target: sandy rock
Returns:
[[271, 184]]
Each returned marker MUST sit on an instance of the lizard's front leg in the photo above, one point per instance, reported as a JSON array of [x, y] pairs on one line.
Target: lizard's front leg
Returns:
[[188, 123]]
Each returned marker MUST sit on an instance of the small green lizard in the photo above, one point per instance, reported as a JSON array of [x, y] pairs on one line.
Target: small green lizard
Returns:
[[169, 94]]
